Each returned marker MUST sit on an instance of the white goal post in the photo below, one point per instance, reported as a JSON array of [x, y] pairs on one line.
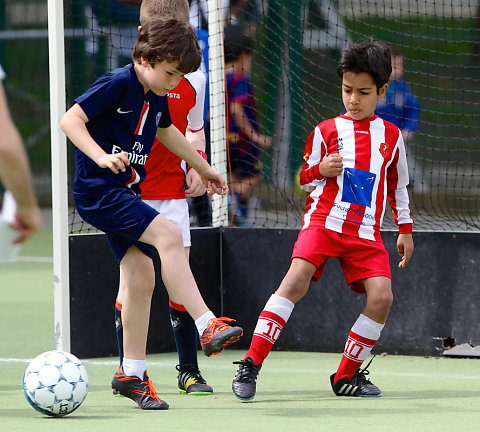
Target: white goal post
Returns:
[[59, 176]]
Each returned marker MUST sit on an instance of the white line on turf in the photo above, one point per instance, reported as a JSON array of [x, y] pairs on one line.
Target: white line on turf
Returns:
[[162, 364], [36, 259]]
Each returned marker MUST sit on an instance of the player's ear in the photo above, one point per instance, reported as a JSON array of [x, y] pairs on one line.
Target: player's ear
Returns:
[[382, 90], [144, 62]]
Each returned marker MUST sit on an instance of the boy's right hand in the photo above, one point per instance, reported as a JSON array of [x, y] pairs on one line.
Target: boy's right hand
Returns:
[[331, 165], [115, 162], [214, 182]]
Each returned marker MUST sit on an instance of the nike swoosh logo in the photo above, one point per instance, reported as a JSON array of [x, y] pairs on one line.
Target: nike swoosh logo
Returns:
[[119, 110]]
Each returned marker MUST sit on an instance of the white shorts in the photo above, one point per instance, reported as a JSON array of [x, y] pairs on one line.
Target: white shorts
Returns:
[[176, 211]]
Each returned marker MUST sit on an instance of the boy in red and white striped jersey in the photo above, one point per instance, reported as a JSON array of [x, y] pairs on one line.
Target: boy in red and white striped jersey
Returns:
[[353, 164]]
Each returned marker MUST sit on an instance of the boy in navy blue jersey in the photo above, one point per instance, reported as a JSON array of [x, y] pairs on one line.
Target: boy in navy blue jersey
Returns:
[[113, 126]]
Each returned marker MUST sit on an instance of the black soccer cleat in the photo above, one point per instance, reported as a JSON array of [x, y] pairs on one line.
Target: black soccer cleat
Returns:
[[141, 391], [244, 384], [357, 386], [191, 381]]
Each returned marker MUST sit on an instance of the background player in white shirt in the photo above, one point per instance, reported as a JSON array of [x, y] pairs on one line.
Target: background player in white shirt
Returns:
[[353, 163]]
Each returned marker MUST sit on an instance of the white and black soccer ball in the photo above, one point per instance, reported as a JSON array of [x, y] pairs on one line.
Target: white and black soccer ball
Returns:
[[55, 383]]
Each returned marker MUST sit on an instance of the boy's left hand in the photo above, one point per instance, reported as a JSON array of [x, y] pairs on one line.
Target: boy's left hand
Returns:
[[195, 186], [405, 248]]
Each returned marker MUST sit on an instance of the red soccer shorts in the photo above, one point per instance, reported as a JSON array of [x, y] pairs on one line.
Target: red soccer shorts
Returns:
[[359, 258]]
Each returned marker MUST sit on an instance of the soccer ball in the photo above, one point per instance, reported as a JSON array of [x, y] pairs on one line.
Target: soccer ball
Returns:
[[55, 383]]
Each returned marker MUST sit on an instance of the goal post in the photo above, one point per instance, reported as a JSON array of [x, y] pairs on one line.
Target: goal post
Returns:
[[59, 176], [218, 133]]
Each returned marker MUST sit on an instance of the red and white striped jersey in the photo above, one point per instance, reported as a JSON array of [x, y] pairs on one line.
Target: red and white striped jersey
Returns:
[[374, 169], [165, 170]]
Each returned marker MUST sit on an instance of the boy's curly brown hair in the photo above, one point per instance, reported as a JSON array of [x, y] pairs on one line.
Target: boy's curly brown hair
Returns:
[[168, 40]]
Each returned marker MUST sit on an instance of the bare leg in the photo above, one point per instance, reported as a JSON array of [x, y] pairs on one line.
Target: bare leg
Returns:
[[137, 281], [379, 298], [176, 273]]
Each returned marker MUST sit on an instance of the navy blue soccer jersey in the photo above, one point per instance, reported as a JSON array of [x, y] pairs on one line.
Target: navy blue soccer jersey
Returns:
[[121, 117]]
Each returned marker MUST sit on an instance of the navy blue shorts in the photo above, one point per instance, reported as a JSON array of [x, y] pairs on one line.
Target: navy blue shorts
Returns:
[[120, 214]]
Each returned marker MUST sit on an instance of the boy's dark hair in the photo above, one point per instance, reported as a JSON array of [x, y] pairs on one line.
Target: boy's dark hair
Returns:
[[168, 40], [236, 43], [369, 57]]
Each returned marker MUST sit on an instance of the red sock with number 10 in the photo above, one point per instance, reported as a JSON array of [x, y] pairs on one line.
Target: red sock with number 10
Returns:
[[363, 336], [269, 326]]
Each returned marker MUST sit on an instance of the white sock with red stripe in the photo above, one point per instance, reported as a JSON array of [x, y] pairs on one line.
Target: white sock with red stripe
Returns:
[[270, 324], [363, 336]]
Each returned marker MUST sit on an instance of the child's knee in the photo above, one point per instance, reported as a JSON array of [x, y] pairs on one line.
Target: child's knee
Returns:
[[382, 299], [170, 238], [141, 282], [294, 286]]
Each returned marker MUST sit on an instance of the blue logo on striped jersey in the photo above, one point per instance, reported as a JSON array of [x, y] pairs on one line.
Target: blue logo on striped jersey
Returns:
[[358, 186]]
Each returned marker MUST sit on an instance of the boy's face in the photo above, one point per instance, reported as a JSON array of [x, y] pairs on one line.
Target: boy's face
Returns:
[[397, 67], [359, 95], [160, 78]]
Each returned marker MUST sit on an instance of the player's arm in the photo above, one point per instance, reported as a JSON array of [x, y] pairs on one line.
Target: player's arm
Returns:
[[241, 120], [74, 124], [397, 180], [412, 116], [173, 139], [16, 175], [405, 248], [195, 186], [318, 164]]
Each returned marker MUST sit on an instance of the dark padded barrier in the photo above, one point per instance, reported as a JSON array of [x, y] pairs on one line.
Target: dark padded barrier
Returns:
[[435, 297], [94, 285]]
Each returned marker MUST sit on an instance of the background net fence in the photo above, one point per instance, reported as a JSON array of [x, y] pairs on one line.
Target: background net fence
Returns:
[[296, 46]]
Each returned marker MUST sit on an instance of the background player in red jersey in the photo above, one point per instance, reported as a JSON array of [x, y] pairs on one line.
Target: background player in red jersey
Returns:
[[164, 190], [352, 163]]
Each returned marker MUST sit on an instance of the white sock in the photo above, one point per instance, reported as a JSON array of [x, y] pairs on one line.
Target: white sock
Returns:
[[280, 306], [202, 321], [367, 328], [134, 367]]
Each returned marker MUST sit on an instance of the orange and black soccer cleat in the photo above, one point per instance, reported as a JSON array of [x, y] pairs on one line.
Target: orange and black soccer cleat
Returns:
[[218, 335], [141, 391]]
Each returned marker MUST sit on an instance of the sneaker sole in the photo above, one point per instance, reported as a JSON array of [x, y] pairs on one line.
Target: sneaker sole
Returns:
[[244, 399], [370, 396], [216, 346], [197, 393]]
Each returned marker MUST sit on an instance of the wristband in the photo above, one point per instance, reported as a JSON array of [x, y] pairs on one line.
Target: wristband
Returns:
[[405, 229], [203, 154]]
